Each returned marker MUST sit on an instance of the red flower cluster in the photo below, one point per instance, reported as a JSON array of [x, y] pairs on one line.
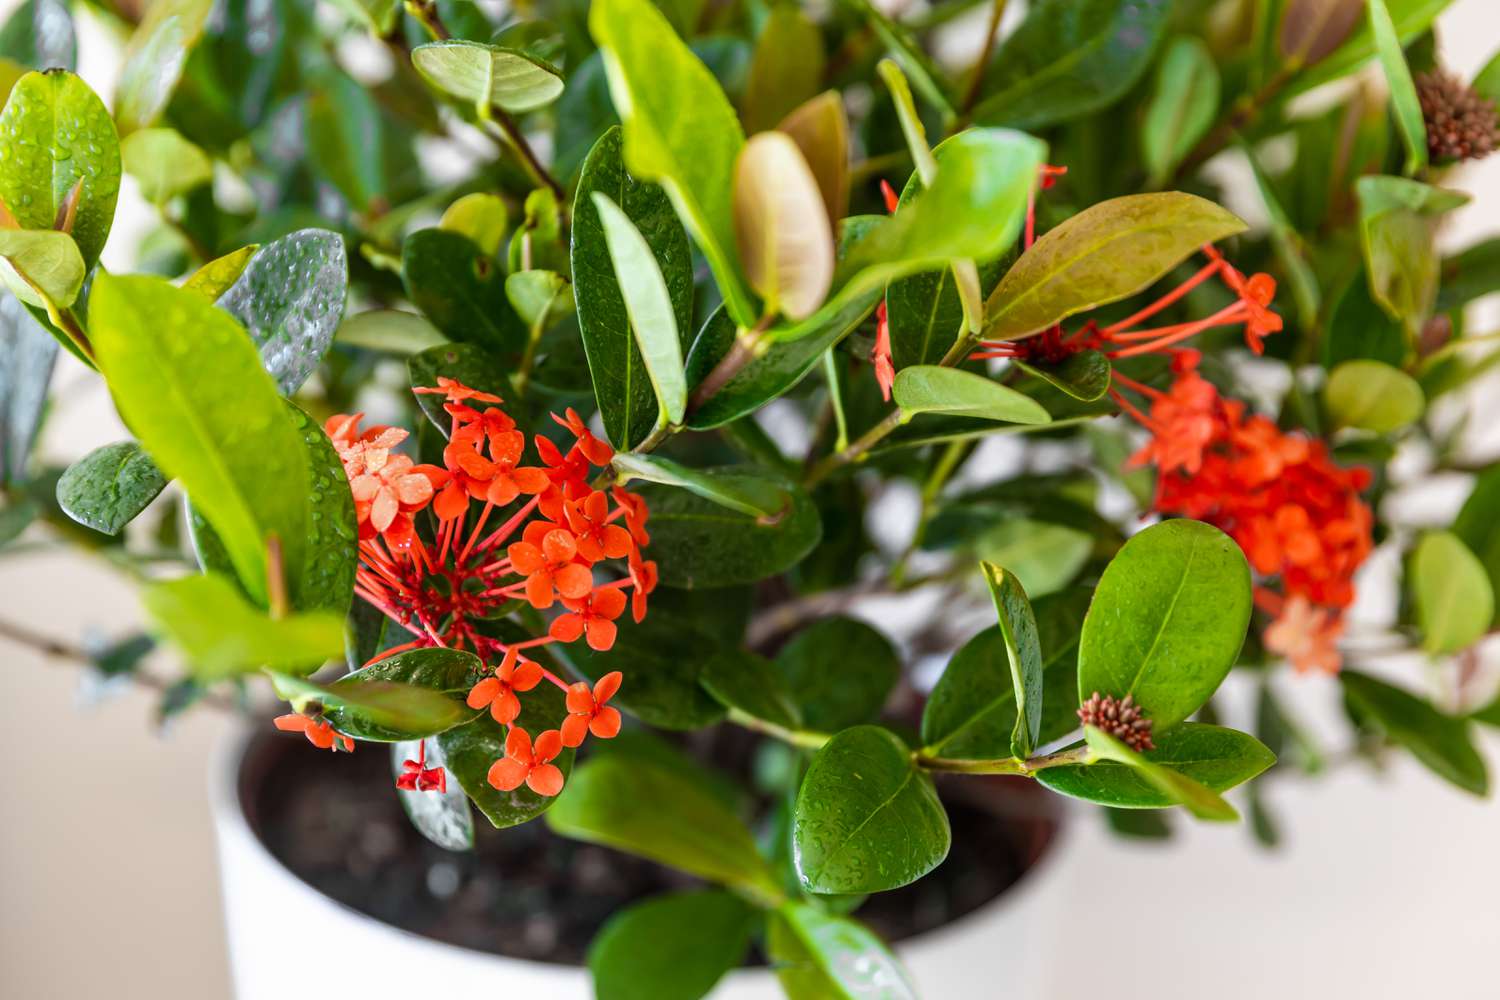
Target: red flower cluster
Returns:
[[551, 547]]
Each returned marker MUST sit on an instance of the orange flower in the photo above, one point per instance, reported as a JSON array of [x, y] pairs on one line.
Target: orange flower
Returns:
[[588, 713], [643, 577], [636, 513], [880, 354], [593, 616], [529, 764], [1306, 635], [499, 691], [319, 732], [455, 391], [596, 451], [598, 539], [549, 567]]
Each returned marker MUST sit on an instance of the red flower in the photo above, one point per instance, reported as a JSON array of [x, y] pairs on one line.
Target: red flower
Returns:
[[588, 713], [593, 616], [414, 777], [499, 691], [643, 578], [532, 765], [319, 732], [549, 566], [598, 539], [455, 391], [880, 354], [636, 513], [596, 451]]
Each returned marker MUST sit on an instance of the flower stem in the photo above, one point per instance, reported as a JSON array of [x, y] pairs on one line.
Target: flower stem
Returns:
[[1004, 765], [804, 738]]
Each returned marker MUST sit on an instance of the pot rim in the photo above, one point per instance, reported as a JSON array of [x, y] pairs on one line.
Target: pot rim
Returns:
[[230, 823]]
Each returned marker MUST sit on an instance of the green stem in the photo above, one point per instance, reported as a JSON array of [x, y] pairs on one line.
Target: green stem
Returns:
[[1003, 765], [426, 13], [806, 739], [539, 174], [836, 399]]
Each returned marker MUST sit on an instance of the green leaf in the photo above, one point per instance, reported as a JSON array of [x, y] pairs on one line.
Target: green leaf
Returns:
[[472, 748], [1359, 329], [219, 275], [27, 356], [1404, 101], [1212, 757], [1455, 600], [680, 130], [649, 305], [373, 704], [42, 268], [109, 486], [488, 76], [1023, 650], [1182, 107], [1291, 249], [155, 58], [739, 679], [331, 538], [482, 218], [1478, 523], [229, 440], [471, 364], [627, 403], [1070, 58], [1044, 556], [839, 672], [59, 136], [1373, 396], [380, 16], [1107, 252], [700, 543], [822, 956], [781, 225], [343, 124], [1085, 375], [390, 331], [971, 712], [954, 392], [39, 34], [786, 69], [290, 297], [1397, 222], [461, 289], [1167, 620], [1200, 800], [222, 634], [540, 298], [866, 818], [164, 164], [673, 947], [1467, 275], [442, 817], [634, 804], [758, 497], [1442, 742]]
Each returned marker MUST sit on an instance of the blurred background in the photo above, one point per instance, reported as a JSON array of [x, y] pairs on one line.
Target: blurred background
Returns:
[[1382, 886]]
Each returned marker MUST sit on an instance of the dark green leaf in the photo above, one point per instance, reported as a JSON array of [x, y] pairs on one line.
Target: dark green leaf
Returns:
[[1360, 329], [1442, 742], [672, 947], [1167, 620], [1084, 376], [109, 486], [763, 498], [741, 680], [472, 748], [866, 818], [1182, 108], [460, 289], [822, 956], [39, 35], [1478, 523], [1469, 274], [1018, 630], [839, 672], [446, 672]]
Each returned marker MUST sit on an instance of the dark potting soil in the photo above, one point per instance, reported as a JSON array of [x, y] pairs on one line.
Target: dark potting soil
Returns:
[[525, 892]]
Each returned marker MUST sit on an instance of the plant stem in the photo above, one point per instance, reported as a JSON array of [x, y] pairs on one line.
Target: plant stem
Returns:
[[426, 13], [855, 451], [741, 354], [976, 78], [805, 738], [511, 133], [1004, 765]]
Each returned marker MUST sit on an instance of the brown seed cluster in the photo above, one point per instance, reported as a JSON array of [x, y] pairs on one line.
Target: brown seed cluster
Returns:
[[1123, 720], [1461, 125]]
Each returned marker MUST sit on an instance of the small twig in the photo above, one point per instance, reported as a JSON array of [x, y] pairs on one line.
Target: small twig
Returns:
[[511, 132], [741, 354], [976, 81]]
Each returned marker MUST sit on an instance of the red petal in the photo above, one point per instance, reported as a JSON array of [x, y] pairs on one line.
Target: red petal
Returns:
[[566, 628], [574, 729], [293, 723], [617, 541], [526, 558], [506, 707], [385, 508], [531, 481], [601, 634], [609, 603], [607, 686], [559, 547], [451, 502], [606, 725], [539, 590], [518, 745], [548, 745], [580, 700], [502, 490], [545, 780], [527, 676], [507, 774], [574, 580], [483, 693]]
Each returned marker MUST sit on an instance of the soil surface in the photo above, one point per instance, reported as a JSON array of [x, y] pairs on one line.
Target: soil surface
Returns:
[[524, 892]]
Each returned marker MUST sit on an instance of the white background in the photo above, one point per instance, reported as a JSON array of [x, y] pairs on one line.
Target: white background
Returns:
[[1386, 885]]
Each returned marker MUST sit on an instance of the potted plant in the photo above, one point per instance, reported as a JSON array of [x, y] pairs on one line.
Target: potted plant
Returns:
[[748, 470]]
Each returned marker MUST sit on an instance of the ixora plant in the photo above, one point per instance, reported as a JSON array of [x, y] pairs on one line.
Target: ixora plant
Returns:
[[664, 379]]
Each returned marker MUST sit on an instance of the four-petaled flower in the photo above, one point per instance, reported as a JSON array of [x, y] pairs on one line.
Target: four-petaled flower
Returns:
[[588, 713], [319, 732], [416, 778], [455, 391], [525, 763], [592, 616], [548, 565], [597, 538], [499, 691]]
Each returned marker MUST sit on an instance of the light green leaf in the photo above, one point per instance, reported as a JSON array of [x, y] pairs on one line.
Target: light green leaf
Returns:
[[761, 498], [409, 696], [391, 331], [483, 218], [155, 58], [785, 70], [109, 486], [1407, 107], [164, 163], [1441, 742], [1397, 224], [1045, 557], [1373, 396], [488, 76], [1182, 107], [823, 956], [1023, 649], [42, 268], [672, 947], [218, 275], [910, 56], [1455, 600], [954, 392]]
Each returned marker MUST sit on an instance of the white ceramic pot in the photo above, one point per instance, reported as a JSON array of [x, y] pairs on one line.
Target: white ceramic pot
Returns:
[[288, 941]]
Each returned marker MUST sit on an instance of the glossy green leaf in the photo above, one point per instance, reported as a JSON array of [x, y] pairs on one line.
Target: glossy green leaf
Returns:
[[1454, 597], [28, 353], [39, 35], [673, 947], [69, 141], [229, 440], [1373, 396], [540, 298], [1182, 107], [222, 634], [1107, 252], [109, 486], [1070, 58], [786, 69], [649, 306], [839, 671], [1023, 650], [460, 289], [331, 538], [470, 364], [823, 956], [636, 805], [1397, 222], [680, 130], [739, 679], [1443, 743], [390, 331], [155, 58], [290, 298], [219, 275], [955, 392], [442, 817], [488, 76], [866, 818], [1403, 92], [1200, 800], [622, 387], [472, 748], [1085, 375], [1167, 620], [1214, 758], [971, 712], [164, 164], [781, 224], [42, 268], [480, 217], [700, 543], [367, 706], [761, 498]]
